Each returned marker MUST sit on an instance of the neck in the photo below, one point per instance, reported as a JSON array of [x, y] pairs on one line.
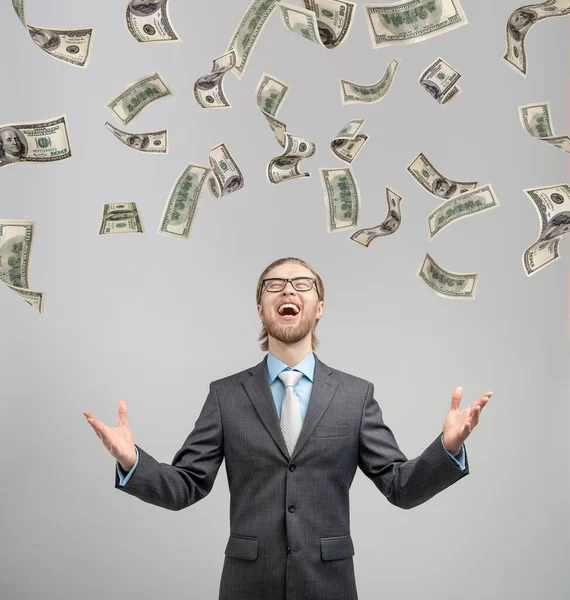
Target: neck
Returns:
[[290, 354]]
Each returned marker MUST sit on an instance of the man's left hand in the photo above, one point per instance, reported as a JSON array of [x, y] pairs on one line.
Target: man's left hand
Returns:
[[460, 423]]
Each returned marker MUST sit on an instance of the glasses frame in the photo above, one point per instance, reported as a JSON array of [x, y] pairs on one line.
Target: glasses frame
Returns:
[[288, 280]]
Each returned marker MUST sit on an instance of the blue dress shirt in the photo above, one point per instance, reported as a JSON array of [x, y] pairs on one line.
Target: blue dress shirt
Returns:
[[303, 390]]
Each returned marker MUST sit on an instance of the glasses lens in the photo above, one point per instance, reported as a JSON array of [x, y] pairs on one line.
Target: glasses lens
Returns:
[[274, 285], [303, 284]]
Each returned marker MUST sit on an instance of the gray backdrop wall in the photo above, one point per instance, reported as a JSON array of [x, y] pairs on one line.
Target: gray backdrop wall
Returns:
[[152, 320]]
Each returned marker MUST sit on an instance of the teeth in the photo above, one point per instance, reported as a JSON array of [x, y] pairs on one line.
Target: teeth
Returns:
[[293, 306]]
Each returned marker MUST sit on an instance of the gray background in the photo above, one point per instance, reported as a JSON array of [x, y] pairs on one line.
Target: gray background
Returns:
[[152, 320]]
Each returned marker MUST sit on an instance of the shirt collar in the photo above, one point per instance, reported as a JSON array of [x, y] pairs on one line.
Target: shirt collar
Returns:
[[275, 366]]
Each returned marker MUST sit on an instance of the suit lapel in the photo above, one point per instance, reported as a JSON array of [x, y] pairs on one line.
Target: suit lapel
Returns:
[[257, 387]]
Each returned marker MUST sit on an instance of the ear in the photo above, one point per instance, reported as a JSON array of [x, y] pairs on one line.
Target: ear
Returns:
[[320, 308], [259, 310]]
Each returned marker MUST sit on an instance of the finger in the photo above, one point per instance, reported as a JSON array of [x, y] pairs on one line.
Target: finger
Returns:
[[122, 410], [456, 397]]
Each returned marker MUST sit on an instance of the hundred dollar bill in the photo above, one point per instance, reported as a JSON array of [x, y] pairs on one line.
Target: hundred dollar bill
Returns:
[[149, 21], [226, 176], [439, 80], [410, 21], [447, 284], [348, 142], [342, 198], [72, 46], [536, 119], [285, 167], [352, 93], [138, 94], [434, 182], [39, 141], [552, 203], [18, 6], [388, 226], [209, 89], [183, 202], [269, 95], [475, 202], [121, 218], [151, 142], [324, 22], [16, 244], [519, 23], [248, 31]]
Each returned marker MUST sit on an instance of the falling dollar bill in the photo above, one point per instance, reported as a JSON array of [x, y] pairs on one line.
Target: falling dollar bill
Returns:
[[16, 244], [324, 22], [440, 80], [269, 95], [40, 141], [209, 89], [121, 218], [151, 142], [434, 182], [410, 21], [138, 94], [352, 93], [466, 205], [388, 226], [182, 205], [248, 31], [447, 284], [552, 203], [536, 119], [348, 142], [149, 21], [18, 6], [519, 23], [342, 198], [226, 176]]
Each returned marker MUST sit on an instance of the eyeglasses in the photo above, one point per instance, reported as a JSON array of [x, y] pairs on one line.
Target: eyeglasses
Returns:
[[300, 284]]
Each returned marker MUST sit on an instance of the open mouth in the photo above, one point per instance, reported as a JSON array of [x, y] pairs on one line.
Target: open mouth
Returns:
[[288, 311]]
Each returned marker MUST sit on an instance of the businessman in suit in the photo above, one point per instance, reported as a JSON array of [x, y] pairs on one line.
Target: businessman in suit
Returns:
[[292, 431]]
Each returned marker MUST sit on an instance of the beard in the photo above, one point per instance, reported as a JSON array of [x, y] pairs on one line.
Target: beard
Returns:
[[288, 334]]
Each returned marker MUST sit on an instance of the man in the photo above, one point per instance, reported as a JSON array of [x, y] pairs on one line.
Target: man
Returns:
[[138, 142], [11, 147], [444, 188], [520, 22], [292, 431], [45, 38], [144, 8]]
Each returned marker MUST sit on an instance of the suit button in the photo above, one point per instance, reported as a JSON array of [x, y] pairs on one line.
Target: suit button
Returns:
[[292, 467], [291, 508], [288, 549]]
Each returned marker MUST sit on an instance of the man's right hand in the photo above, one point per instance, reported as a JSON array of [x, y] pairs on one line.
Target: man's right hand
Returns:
[[118, 440]]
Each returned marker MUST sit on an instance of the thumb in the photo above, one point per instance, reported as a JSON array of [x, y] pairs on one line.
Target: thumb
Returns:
[[122, 409], [456, 398]]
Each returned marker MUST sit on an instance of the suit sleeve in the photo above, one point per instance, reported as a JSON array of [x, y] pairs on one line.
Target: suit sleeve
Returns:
[[194, 467], [405, 483]]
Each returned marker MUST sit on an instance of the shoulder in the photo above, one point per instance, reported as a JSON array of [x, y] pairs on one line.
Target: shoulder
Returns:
[[348, 379], [231, 380]]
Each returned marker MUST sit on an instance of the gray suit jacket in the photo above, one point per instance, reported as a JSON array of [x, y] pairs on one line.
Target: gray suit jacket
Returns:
[[289, 515]]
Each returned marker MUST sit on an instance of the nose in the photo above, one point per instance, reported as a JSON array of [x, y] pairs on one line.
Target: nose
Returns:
[[284, 290]]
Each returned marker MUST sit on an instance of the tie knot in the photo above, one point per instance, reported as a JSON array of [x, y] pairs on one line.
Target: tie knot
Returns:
[[290, 378]]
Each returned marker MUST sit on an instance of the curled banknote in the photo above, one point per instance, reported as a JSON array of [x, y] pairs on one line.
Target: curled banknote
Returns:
[[519, 23], [447, 284], [352, 93], [183, 202], [16, 244], [440, 80], [134, 97], [226, 176], [72, 46], [388, 226], [342, 198], [121, 218], [410, 21], [40, 141], [552, 203], [151, 142], [348, 142], [149, 21], [537, 121], [423, 171], [248, 31], [269, 95], [324, 22], [466, 205], [209, 89]]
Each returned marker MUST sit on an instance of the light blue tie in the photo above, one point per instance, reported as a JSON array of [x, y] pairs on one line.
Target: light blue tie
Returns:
[[290, 422]]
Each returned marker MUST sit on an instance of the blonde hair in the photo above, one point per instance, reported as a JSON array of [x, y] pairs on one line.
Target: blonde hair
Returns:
[[320, 291]]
